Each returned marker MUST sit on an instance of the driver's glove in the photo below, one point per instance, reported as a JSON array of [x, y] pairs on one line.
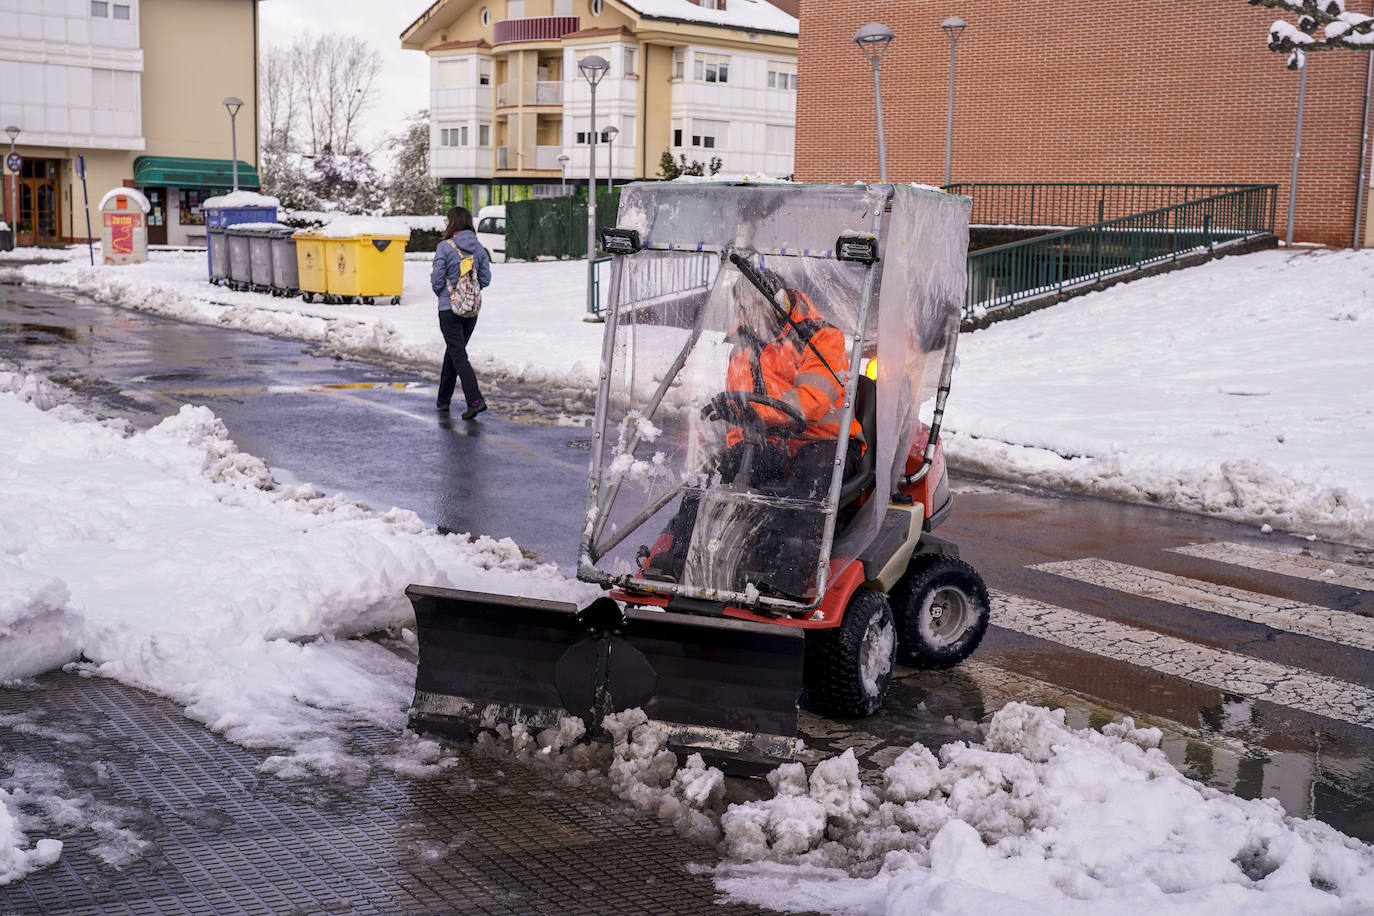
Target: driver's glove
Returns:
[[728, 408]]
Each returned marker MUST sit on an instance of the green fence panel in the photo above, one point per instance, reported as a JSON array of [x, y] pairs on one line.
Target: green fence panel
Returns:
[[555, 227]]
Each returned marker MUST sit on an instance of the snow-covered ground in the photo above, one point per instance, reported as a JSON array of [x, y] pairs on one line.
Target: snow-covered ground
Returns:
[[169, 560]]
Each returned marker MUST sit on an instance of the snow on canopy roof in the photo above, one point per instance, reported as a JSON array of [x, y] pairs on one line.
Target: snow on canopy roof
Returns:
[[238, 199], [756, 15], [135, 193]]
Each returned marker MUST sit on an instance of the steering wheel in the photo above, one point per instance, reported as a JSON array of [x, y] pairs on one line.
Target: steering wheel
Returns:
[[798, 419]]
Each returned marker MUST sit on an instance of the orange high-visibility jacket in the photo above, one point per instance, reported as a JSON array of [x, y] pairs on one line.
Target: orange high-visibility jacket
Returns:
[[787, 369]]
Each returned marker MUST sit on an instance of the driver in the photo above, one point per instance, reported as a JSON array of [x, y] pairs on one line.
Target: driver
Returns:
[[791, 356], [783, 394]]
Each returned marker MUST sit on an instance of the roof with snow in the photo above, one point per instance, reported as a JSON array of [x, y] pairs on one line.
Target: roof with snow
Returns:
[[749, 15]]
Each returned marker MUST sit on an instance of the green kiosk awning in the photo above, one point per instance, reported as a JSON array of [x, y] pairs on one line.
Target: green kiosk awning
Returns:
[[178, 172]]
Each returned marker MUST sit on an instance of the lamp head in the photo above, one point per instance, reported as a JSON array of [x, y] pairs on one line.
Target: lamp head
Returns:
[[873, 40], [13, 131], [610, 131], [233, 103], [953, 26], [564, 159], [593, 68]]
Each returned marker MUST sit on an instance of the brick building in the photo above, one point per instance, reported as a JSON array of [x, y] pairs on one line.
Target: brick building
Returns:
[[1048, 90]]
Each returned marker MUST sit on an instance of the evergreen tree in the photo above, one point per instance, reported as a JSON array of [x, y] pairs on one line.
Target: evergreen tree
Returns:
[[412, 189]]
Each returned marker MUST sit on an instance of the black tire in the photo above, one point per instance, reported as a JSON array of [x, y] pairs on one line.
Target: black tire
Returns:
[[942, 610], [833, 672], [395, 300], [307, 296]]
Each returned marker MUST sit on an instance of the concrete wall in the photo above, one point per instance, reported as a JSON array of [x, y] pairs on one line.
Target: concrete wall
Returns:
[[1072, 90]]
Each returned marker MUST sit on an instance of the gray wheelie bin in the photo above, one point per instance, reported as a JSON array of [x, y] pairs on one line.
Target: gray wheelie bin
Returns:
[[286, 279]]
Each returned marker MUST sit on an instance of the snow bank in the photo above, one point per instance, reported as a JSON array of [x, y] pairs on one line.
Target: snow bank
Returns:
[[352, 226], [1039, 818], [15, 860]]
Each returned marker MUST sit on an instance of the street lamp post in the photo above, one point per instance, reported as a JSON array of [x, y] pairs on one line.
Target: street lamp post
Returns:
[[609, 133], [563, 167], [873, 40], [233, 104], [1297, 149], [953, 26], [592, 68]]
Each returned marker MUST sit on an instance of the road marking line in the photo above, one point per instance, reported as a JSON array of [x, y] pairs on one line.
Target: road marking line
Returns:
[[1229, 672], [1293, 616], [1286, 564]]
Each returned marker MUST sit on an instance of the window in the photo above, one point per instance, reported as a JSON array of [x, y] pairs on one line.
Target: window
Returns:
[[484, 135], [100, 9], [711, 4], [782, 75], [708, 134], [629, 67], [596, 7], [486, 17], [515, 9], [779, 138], [677, 133], [451, 74], [679, 57], [711, 68], [121, 11], [484, 73], [188, 201], [453, 136]]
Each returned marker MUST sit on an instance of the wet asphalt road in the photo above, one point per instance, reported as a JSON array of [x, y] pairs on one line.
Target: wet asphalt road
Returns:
[[1251, 698]]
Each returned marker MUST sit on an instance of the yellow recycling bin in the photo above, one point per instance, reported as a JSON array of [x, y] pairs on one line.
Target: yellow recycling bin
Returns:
[[310, 265], [364, 259]]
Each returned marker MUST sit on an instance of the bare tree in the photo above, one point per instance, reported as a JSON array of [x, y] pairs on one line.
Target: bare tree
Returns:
[[1340, 28], [334, 76], [278, 87]]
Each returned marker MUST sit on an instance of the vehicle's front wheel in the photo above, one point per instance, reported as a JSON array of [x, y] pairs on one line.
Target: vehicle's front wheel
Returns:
[[942, 609], [848, 668]]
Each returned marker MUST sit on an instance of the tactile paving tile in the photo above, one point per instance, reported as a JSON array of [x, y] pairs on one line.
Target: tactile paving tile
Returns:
[[490, 837]]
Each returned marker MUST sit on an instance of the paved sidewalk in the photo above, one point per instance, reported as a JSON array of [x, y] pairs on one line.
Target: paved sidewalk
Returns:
[[490, 837]]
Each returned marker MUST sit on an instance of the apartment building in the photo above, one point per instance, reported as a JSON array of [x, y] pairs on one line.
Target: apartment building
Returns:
[[136, 87], [1151, 91], [715, 79]]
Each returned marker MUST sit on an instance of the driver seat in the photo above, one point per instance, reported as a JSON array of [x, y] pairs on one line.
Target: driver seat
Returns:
[[861, 476]]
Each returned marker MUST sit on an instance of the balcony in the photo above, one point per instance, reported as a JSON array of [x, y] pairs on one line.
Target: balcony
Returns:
[[541, 28], [546, 157], [544, 93]]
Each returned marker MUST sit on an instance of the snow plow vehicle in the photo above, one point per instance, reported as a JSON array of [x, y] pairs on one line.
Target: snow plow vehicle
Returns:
[[765, 477]]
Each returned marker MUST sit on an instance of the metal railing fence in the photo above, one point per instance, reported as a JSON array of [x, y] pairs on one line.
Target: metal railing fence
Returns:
[[1004, 275], [1067, 204]]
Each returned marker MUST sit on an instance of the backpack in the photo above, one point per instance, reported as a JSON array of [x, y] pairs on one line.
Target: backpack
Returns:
[[465, 299]]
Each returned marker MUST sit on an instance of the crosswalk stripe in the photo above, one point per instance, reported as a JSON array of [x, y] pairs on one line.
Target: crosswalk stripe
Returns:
[[1286, 564], [1227, 671], [1292, 616]]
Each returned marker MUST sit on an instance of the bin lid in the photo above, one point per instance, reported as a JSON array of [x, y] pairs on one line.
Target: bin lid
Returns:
[[372, 227], [260, 229], [238, 200]]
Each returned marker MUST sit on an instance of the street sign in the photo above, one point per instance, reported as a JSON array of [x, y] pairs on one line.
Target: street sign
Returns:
[[81, 167], [14, 161]]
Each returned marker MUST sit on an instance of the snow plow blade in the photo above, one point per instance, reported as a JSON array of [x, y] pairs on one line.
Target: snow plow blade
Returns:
[[724, 688]]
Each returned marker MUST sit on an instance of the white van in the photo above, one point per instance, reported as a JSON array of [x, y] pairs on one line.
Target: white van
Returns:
[[491, 230]]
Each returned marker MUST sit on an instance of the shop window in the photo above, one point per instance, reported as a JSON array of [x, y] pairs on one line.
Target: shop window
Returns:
[[188, 201]]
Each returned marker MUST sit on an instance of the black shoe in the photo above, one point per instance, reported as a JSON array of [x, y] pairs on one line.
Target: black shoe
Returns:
[[474, 409], [442, 408]]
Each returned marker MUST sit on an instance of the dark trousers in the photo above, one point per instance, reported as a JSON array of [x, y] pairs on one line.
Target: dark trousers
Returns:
[[457, 332]]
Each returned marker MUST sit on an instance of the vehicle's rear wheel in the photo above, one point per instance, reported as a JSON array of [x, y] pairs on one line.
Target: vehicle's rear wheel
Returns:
[[942, 609], [847, 668]]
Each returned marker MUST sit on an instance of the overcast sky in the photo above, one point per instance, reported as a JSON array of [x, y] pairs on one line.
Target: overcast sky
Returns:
[[403, 86]]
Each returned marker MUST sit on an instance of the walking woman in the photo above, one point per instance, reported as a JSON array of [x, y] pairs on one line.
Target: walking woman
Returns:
[[446, 277]]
